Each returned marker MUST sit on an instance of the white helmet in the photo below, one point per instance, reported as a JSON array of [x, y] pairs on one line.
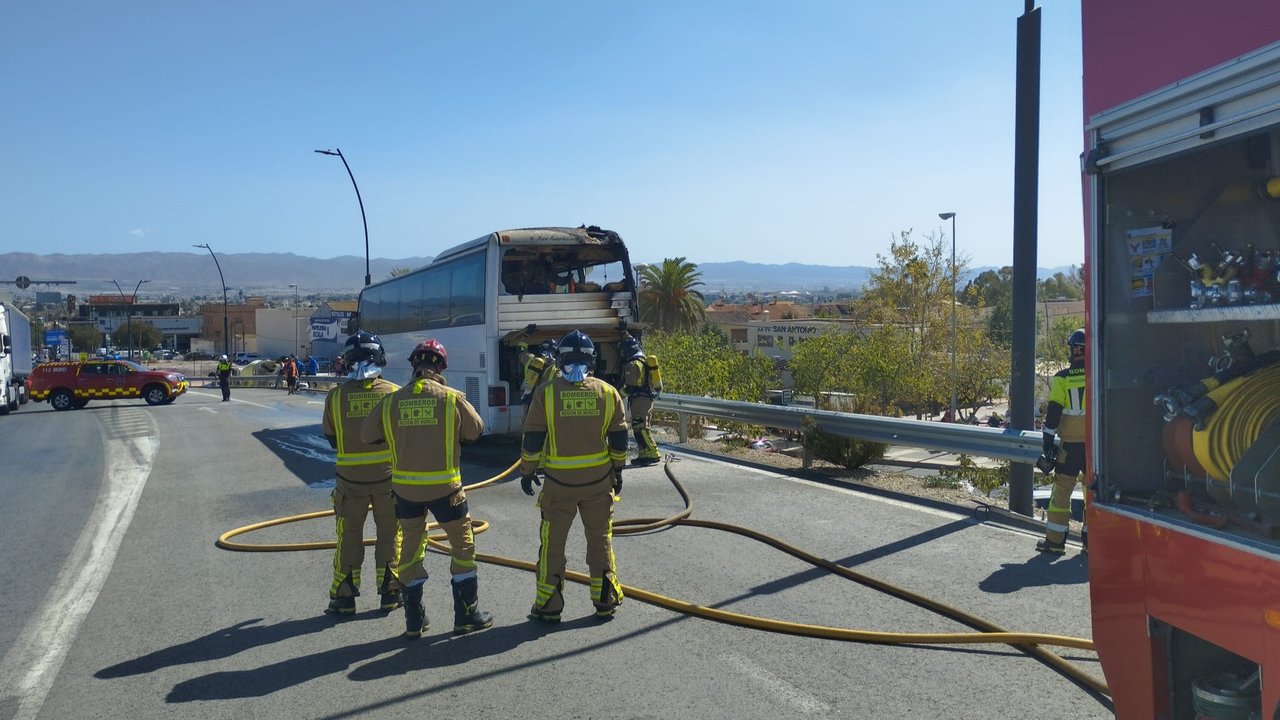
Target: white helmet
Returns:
[[222, 357]]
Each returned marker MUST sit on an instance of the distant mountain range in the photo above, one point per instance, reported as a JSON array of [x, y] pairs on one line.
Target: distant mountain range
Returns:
[[185, 274]]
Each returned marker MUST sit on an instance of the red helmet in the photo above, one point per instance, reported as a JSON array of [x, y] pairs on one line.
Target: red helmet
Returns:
[[429, 351]]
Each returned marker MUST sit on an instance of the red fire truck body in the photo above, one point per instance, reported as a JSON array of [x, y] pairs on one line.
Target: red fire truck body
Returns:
[[1182, 222]]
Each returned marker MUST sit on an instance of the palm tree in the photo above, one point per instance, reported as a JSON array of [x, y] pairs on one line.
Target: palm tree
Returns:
[[399, 270], [668, 301]]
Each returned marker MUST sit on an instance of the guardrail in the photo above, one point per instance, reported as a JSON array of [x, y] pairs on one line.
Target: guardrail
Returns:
[[1020, 446], [314, 382]]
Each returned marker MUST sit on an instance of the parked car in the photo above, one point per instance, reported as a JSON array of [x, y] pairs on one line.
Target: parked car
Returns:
[[244, 358]]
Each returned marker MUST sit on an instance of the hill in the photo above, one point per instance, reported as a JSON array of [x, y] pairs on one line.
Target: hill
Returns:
[[180, 273], [195, 273]]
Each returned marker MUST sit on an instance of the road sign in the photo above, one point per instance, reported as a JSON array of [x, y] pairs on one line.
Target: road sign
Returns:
[[23, 282], [54, 337]]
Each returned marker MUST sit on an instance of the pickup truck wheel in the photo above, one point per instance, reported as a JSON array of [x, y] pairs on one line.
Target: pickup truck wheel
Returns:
[[154, 394], [61, 399], [169, 400]]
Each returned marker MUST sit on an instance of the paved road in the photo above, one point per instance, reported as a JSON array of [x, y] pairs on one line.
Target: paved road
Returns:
[[147, 619]]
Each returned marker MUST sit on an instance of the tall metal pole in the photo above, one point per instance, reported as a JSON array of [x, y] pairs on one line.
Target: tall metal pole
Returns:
[[338, 151], [1026, 170], [952, 217], [295, 316], [226, 322], [128, 313]]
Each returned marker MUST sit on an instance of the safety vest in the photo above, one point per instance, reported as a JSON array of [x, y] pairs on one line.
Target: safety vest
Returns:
[[579, 451], [417, 414], [347, 406], [1066, 388], [224, 368]]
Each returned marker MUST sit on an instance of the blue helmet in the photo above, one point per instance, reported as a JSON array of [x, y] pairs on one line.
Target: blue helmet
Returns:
[[576, 349], [364, 347], [629, 348]]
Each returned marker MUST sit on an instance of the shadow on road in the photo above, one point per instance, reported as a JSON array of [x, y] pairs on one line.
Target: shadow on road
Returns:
[[219, 644], [303, 450], [1041, 569]]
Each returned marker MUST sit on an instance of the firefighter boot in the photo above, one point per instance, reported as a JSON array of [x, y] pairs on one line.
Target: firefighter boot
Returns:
[[415, 615], [609, 601], [467, 615], [648, 450], [1048, 546], [340, 604], [389, 591]]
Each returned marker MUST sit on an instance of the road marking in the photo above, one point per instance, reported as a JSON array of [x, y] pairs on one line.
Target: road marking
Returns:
[[219, 397], [29, 669], [776, 687], [315, 402]]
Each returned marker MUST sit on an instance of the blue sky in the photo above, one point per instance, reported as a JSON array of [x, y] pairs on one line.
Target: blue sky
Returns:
[[809, 131]]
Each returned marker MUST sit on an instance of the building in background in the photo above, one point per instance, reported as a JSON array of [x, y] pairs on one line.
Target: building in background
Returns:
[[330, 325]]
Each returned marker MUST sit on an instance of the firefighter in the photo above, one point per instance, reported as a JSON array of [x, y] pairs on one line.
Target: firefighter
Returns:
[[581, 422], [224, 377], [540, 368], [424, 425], [1064, 419], [640, 394], [363, 478]]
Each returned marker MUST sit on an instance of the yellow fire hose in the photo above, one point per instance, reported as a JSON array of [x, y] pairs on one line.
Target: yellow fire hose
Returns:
[[1245, 406], [1029, 643]]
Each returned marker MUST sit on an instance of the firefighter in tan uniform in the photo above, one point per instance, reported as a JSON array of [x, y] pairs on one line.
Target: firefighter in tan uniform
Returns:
[[1064, 418], [640, 393], [424, 425], [363, 478], [576, 425]]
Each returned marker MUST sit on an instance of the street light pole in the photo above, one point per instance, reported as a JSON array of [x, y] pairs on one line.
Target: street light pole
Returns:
[[338, 151], [952, 217], [226, 323], [295, 316], [128, 314]]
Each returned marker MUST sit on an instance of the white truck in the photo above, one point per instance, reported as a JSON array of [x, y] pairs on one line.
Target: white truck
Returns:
[[15, 357]]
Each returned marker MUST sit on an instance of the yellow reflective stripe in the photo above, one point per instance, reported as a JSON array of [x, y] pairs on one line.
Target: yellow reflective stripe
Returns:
[[387, 434], [337, 421], [548, 399], [432, 477], [450, 410], [577, 461], [365, 458]]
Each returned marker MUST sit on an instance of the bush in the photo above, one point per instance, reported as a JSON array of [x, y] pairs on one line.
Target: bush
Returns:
[[982, 479], [846, 452]]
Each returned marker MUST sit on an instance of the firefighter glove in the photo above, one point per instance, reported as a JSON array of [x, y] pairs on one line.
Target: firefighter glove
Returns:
[[528, 481], [617, 481], [1050, 446]]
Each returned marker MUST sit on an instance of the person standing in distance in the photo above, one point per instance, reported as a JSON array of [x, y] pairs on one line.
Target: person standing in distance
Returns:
[[363, 479], [640, 395], [224, 377], [1064, 419], [424, 425], [576, 426]]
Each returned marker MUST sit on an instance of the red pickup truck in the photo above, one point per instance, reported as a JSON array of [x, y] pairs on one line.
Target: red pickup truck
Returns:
[[68, 385]]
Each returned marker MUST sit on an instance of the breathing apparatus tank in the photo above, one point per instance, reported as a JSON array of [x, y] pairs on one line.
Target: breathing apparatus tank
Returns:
[[655, 373]]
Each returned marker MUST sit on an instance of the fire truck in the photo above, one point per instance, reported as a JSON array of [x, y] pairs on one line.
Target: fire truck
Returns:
[[1181, 182]]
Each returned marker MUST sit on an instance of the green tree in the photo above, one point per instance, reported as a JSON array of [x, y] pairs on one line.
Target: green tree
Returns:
[[84, 337], [705, 364], [1066, 286], [668, 300], [911, 290], [145, 335]]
